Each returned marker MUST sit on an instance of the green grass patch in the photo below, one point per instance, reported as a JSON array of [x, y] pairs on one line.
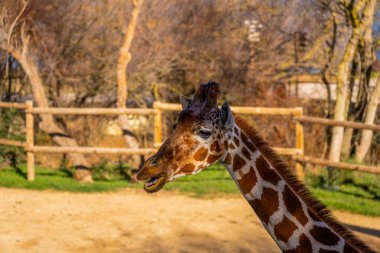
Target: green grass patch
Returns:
[[345, 201], [212, 181], [357, 194], [60, 180]]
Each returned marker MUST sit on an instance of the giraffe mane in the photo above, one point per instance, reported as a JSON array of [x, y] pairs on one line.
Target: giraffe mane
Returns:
[[318, 209]]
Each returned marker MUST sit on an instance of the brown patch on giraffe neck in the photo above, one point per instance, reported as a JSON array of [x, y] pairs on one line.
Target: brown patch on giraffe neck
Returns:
[[227, 160], [225, 144], [246, 153], [284, 230], [215, 146], [236, 141], [247, 142], [304, 246], [213, 158], [201, 154], [267, 205], [248, 181], [324, 235], [253, 141], [266, 173], [188, 168], [349, 249], [238, 162], [236, 130], [294, 206]]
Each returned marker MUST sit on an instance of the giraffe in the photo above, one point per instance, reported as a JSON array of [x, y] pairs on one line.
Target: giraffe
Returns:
[[206, 134]]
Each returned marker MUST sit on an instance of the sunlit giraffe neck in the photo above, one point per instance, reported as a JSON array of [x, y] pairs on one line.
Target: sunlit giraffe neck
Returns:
[[279, 200]]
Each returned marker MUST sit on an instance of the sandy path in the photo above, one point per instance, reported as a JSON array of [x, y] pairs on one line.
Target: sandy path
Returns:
[[133, 221]]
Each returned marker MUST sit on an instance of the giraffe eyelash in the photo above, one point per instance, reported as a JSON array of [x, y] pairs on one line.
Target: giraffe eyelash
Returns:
[[204, 133]]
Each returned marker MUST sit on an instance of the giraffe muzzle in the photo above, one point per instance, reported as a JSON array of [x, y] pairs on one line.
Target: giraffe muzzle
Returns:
[[153, 181], [154, 184]]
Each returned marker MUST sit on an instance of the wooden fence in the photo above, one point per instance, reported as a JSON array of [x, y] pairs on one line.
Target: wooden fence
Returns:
[[157, 111], [325, 162], [297, 153]]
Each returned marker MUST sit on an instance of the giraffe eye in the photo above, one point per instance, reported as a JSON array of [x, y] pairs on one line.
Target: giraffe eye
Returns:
[[154, 163], [174, 126], [204, 133]]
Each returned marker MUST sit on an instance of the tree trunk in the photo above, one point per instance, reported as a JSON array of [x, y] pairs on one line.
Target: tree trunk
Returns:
[[366, 136], [348, 132], [342, 89], [47, 122], [122, 94], [346, 143]]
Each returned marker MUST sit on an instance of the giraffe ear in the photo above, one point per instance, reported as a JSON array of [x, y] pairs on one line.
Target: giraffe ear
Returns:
[[185, 101], [228, 121]]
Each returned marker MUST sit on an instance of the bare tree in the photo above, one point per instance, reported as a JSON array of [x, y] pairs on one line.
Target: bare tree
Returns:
[[122, 88], [360, 15], [370, 116], [16, 38]]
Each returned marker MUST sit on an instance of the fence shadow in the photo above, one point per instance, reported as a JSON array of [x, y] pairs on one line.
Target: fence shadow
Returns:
[[19, 171], [364, 230], [67, 172]]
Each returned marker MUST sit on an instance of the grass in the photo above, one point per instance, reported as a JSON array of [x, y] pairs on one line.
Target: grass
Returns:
[[358, 194], [213, 180], [347, 202], [60, 180]]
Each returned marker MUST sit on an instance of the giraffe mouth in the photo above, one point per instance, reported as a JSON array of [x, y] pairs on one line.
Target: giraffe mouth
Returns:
[[154, 184]]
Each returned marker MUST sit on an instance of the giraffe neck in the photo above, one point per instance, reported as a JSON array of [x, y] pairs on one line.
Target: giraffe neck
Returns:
[[292, 224]]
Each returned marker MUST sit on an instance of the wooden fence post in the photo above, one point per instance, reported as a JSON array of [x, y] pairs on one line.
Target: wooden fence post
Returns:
[[157, 125], [30, 140], [299, 145]]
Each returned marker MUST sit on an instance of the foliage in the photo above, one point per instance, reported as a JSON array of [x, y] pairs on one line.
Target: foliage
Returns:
[[374, 153], [10, 129], [105, 170]]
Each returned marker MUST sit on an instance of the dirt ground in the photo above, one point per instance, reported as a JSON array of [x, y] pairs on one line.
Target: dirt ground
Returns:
[[133, 221]]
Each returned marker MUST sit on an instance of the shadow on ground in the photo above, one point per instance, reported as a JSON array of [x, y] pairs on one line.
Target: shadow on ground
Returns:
[[182, 240], [368, 231]]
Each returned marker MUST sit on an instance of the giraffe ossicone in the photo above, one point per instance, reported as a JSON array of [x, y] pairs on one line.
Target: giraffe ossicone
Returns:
[[206, 134]]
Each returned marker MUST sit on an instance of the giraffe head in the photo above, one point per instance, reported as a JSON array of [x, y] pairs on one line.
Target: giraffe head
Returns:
[[199, 139]]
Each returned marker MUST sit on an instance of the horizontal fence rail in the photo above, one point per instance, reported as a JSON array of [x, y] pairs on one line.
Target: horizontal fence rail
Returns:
[[340, 165], [93, 111], [288, 151], [331, 122], [239, 109], [12, 105], [12, 143], [279, 150], [91, 150]]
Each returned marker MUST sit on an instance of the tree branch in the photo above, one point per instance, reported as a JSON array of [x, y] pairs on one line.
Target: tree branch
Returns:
[[14, 23]]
